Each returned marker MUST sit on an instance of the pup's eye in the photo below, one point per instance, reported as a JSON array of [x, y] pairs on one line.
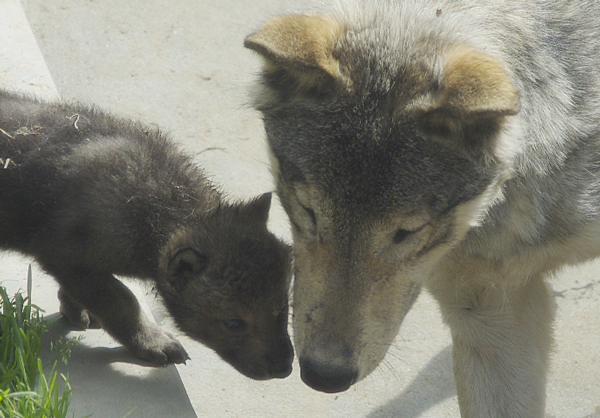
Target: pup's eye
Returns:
[[235, 325], [400, 235]]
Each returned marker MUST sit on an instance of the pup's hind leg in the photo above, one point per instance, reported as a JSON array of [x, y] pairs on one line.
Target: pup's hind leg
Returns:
[[119, 313], [501, 341], [76, 315]]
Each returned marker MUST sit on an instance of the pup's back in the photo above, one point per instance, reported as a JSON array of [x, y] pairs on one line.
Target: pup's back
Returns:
[[65, 167]]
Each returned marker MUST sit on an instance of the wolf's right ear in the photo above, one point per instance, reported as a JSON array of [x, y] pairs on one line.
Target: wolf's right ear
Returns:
[[300, 43]]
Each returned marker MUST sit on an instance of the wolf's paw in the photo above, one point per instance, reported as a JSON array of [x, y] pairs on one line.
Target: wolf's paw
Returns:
[[158, 347]]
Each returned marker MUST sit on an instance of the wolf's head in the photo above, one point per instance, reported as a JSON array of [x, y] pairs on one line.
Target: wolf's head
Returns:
[[386, 148]]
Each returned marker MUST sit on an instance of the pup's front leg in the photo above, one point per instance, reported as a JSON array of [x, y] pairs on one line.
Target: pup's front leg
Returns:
[[501, 339], [119, 313], [75, 313]]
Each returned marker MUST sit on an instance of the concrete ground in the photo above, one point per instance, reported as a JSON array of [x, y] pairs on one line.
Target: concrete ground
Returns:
[[181, 65]]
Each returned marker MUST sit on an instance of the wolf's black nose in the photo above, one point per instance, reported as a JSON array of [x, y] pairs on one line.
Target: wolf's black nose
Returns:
[[326, 378]]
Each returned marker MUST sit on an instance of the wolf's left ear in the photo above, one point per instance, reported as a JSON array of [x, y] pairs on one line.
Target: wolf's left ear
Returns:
[[475, 85], [257, 210], [301, 42], [474, 95]]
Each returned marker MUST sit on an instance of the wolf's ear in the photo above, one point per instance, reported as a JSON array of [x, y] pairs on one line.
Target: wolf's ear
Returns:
[[186, 261], [298, 42], [474, 95], [476, 85], [257, 210]]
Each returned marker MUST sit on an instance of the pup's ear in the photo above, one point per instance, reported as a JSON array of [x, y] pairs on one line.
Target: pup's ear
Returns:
[[475, 93], [302, 43], [257, 210], [184, 262]]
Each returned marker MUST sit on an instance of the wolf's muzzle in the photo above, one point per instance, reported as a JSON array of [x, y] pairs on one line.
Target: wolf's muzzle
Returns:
[[326, 378]]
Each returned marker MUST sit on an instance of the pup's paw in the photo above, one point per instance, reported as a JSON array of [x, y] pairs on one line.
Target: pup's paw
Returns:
[[158, 347], [75, 314]]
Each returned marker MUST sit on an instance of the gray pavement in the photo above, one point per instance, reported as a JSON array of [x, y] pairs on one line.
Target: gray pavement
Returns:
[[181, 65]]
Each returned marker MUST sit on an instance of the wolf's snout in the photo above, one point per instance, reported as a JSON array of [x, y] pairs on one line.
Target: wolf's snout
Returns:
[[325, 377]]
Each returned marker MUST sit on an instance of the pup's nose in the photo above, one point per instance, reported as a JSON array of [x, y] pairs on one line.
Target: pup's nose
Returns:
[[326, 378], [280, 364], [281, 372]]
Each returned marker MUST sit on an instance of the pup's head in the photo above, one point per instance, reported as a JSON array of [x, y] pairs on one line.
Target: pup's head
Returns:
[[226, 283], [387, 148]]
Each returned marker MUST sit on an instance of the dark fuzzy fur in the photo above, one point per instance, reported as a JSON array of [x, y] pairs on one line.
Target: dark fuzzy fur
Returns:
[[90, 196]]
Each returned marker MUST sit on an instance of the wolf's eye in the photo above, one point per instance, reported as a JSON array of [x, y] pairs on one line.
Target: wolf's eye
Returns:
[[400, 235], [235, 325], [311, 215]]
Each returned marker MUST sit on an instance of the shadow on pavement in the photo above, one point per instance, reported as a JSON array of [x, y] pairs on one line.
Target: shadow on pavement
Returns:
[[434, 384]]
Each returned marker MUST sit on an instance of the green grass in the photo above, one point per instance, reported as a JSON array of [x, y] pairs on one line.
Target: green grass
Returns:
[[28, 388]]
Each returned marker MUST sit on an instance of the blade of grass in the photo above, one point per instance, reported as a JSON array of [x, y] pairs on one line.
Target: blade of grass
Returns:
[[21, 326]]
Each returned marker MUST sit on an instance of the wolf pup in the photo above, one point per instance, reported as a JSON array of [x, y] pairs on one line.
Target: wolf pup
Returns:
[[89, 196], [453, 145]]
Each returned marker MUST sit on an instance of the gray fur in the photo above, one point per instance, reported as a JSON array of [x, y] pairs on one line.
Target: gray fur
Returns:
[[447, 144]]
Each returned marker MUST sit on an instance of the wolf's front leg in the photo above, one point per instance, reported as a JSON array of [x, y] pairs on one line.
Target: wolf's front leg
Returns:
[[119, 313], [501, 339]]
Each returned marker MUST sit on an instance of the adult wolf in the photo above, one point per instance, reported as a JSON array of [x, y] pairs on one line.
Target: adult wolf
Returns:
[[452, 145]]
